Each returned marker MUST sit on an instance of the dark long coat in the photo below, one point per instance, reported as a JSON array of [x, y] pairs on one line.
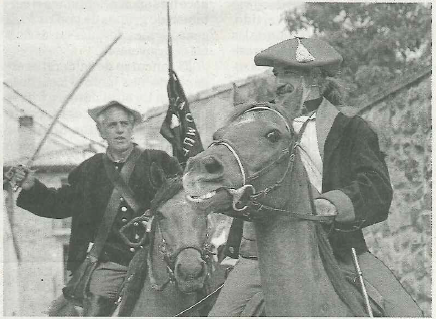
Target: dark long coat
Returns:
[[355, 179], [86, 198]]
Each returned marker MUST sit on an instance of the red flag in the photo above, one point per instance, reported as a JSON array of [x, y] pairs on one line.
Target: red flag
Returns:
[[179, 126]]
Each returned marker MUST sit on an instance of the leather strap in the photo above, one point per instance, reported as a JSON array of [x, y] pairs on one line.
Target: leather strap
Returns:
[[120, 182], [113, 203]]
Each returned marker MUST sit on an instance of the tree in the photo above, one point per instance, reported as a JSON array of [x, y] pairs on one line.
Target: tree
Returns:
[[379, 41]]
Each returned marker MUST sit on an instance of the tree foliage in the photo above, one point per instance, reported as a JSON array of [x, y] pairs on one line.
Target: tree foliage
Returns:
[[379, 41]]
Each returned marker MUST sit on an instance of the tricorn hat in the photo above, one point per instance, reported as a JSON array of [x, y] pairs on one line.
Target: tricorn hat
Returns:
[[94, 112], [301, 53]]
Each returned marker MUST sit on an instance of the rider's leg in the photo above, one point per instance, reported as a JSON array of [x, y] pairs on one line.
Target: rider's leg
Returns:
[[397, 302], [241, 286], [105, 283]]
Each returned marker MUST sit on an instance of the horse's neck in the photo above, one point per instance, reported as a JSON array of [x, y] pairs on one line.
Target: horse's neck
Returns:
[[293, 277]]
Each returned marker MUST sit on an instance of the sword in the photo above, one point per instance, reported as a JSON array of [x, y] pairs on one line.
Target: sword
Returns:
[[10, 173], [362, 284]]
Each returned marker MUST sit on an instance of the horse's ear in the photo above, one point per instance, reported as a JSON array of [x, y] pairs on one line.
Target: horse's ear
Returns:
[[157, 175], [237, 97], [293, 103]]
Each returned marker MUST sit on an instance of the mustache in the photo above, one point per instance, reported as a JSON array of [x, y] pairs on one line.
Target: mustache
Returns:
[[284, 89]]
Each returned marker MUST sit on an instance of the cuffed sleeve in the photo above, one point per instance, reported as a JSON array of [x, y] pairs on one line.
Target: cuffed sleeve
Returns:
[[370, 190], [343, 205]]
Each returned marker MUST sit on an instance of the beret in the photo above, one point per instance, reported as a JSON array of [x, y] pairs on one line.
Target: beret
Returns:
[[302, 53], [94, 112]]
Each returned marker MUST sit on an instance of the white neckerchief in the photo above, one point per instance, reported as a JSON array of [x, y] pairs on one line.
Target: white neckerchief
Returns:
[[309, 151]]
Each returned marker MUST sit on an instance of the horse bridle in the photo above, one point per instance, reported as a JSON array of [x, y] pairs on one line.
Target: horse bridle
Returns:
[[253, 208], [150, 222]]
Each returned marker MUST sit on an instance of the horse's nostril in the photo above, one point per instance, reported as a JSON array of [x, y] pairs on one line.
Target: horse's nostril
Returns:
[[212, 165]]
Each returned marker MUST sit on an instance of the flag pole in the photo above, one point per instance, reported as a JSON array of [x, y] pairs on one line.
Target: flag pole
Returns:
[[170, 42]]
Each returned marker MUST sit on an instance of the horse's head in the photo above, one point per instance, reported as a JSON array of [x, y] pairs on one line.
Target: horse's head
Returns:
[[250, 154], [180, 234]]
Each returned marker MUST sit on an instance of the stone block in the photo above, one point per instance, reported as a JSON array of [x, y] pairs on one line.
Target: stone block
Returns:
[[424, 221], [409, 124], [412, 171], [413, 95], [399, 220]]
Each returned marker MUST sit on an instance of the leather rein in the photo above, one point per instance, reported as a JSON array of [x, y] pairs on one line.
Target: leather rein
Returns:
[[253, 208]]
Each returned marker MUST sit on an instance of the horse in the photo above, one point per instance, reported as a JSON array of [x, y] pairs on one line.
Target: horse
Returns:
[[173, 269], [253, 171]]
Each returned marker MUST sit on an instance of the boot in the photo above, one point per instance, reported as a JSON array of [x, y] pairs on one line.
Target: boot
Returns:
[[98, 306]]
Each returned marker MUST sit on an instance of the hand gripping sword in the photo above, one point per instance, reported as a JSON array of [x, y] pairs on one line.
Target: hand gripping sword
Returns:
[[9, 175]]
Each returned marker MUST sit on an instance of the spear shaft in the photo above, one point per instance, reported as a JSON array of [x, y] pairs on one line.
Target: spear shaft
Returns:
[[170, 42]]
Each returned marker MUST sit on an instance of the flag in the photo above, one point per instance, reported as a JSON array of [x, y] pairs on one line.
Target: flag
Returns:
[[178, 127]]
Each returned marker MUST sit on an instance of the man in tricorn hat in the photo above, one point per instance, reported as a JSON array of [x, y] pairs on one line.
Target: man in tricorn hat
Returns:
[[344, 164], [90, 192]]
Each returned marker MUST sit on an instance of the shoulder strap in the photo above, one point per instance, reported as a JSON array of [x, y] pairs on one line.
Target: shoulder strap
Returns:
[[112, 206], [120, 182]]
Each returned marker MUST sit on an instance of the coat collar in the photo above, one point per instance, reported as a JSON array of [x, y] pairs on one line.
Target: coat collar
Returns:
[[326, 116]]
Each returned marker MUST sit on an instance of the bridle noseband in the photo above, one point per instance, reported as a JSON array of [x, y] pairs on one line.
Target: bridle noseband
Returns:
[[253, 208], [150, 222]]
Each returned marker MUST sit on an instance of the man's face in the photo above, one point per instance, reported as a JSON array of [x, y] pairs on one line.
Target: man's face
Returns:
[[287, 80], [117, 129]]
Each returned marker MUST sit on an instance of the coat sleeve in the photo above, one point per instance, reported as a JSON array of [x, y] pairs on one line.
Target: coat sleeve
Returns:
[[367, 198], [58, 203]]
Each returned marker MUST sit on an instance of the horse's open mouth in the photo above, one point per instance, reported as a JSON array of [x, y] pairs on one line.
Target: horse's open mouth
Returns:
[[199, 199], [215, 200], [221, 199]]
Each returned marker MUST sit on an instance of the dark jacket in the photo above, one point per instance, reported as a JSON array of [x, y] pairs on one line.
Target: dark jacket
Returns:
[[355, 179], [85, 200]]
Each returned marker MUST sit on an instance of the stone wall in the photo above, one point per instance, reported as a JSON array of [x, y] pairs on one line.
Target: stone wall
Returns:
[[402, 116]]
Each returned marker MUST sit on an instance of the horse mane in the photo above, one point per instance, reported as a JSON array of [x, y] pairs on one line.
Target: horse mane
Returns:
[[169, 188], [335, 275]]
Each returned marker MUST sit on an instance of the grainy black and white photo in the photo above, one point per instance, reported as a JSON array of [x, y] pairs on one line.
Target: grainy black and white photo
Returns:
[[246, 158]]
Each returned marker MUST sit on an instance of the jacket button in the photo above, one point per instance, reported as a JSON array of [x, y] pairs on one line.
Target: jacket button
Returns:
[[231, 249], [132, 249], [121, 199], [124, 220], [124, 208]]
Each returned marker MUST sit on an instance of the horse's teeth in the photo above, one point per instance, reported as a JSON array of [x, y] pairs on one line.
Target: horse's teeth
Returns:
[[202, 197], [208, 195]]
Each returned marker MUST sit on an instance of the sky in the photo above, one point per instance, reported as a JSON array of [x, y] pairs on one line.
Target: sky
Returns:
[[48, 45]]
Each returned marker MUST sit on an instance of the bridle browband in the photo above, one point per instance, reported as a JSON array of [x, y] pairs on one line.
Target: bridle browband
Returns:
[[253, 208]]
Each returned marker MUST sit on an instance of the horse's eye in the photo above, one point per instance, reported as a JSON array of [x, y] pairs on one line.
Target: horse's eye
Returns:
[[273, 136], [158, 214]]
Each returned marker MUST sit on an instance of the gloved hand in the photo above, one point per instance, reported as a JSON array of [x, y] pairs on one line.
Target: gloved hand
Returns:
[[325, 208]]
